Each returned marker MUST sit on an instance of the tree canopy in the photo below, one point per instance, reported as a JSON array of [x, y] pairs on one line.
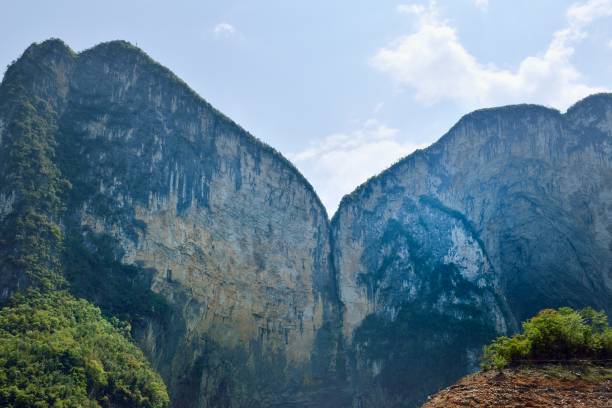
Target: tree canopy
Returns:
[[554, 336], [59, 351]]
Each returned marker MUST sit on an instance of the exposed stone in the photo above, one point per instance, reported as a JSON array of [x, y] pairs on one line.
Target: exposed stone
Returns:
[[541, 386], [512, 207], [245, 295], [236, 239]]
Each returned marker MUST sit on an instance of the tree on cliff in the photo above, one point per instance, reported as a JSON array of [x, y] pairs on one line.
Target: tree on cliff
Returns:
[[55, 350], [58, 351], [554, 336]]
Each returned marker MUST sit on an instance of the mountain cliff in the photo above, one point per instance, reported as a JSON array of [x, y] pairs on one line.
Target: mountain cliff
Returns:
[[120, 184], [211, 243], [507, 214]]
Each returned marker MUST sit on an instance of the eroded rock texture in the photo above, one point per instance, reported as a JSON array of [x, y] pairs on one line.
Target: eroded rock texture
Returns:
[[166, 214], [169, 194], [509, 213]]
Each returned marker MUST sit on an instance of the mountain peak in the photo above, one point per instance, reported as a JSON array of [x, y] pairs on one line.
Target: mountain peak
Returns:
[[117, 49], [593, 112], [480, 118], [55, 45], [40, 54], [144, 155], [591, 100]]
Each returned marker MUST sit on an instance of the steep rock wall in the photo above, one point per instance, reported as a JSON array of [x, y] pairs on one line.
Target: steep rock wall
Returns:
[[169, 194], [507, 214], [221, 255]]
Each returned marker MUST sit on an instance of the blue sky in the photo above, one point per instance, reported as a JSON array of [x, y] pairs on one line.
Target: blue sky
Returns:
[[345, 88]]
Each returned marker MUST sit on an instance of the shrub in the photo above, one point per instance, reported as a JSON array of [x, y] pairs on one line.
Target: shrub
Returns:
[[56, 350], [553, 335]]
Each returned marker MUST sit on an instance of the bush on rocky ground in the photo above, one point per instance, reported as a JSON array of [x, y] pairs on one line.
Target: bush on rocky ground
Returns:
[[554, 336]]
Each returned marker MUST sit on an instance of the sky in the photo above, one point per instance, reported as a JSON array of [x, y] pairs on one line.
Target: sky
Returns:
[[345, 88]]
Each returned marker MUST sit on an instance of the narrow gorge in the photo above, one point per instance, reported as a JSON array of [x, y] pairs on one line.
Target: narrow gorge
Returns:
[[239, 288]]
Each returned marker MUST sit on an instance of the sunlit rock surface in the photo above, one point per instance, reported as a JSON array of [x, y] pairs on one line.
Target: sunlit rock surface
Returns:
[[509, 213], [226, 229], [238, 288]]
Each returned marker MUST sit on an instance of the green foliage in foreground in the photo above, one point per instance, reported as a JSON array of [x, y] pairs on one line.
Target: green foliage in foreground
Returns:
[[554, 335], [59, 351]]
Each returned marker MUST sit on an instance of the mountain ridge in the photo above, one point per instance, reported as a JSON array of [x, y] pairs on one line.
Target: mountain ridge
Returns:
[[112, 46], [239, 287], [346, 199], [180, 222], [511, 205], [57, 43]]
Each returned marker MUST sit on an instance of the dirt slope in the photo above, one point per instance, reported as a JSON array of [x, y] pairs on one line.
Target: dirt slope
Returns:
[[548, 386]]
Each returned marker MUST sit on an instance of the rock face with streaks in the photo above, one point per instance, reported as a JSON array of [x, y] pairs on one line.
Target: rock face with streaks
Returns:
[[166, 214], [509, 213], [174, 195]]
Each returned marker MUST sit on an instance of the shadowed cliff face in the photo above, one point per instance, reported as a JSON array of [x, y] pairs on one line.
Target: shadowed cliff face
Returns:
[[508, 213], [169, 194], [166, 214]]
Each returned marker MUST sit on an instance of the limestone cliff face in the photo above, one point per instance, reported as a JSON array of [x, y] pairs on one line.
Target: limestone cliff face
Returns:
[[30, 180], [167, 214], [508, 213], [220, 225]]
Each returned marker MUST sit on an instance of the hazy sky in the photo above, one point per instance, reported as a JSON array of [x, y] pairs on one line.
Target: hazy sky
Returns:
[[345, 88]]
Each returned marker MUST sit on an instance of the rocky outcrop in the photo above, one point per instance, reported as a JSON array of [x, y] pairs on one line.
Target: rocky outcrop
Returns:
[[224, 228], [507, 214], [165, 213], [579, 386]]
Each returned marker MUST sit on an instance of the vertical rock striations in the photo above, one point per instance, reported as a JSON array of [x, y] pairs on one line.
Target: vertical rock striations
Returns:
[[31, 183], [169, 194], [139, 196], [509, 213]]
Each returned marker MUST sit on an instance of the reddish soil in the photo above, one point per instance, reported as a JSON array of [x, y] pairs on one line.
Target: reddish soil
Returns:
[[530, 387]]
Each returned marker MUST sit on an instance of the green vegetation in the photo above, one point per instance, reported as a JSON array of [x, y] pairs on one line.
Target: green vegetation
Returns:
[[58, 351], [584, 371], [554, 336], [32, 229]]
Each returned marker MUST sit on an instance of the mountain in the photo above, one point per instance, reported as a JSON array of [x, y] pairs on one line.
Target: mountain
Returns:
[[209, 242], [510, 212], [123, 186]]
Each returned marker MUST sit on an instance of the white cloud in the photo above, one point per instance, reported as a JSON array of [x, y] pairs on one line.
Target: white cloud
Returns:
[[339, 162], [434, 63], [481, 4], [581, 14], [224, 29], [411, 8]]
